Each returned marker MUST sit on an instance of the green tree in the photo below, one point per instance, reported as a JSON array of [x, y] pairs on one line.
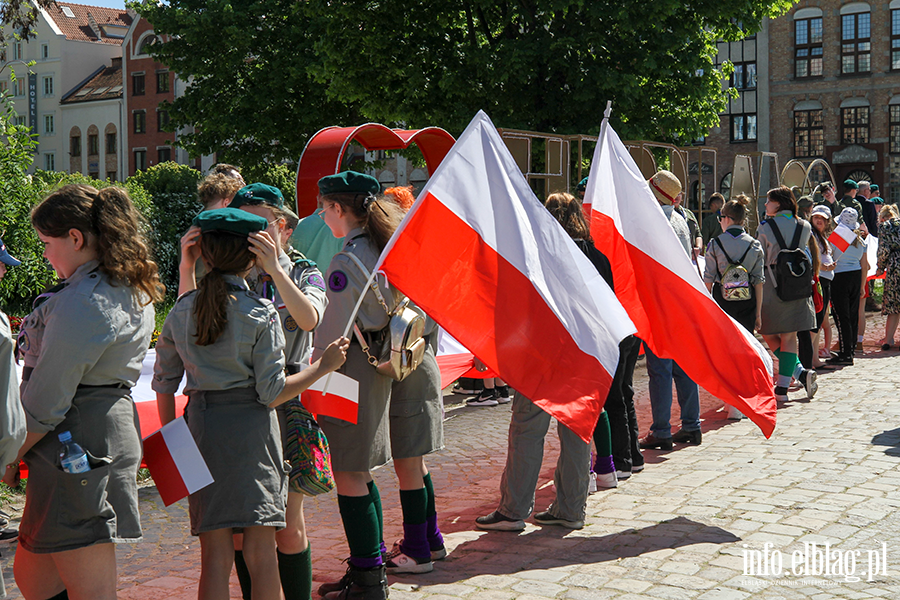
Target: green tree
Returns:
[[251, 97], [278, 175]]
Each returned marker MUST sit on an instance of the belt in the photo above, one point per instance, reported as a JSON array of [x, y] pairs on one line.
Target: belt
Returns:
[[27, 371]]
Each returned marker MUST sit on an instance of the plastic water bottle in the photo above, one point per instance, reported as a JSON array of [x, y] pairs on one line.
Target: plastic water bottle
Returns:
[[72, 456]]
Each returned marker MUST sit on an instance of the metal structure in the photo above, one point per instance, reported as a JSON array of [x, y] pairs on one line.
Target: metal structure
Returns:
[[806, 176], [746, 178]]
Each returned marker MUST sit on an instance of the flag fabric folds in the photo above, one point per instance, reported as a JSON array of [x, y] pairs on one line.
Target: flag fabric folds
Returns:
[[500, 275], [455, 361], [661, 290], [842, 237], [341, 401], [175, 462]]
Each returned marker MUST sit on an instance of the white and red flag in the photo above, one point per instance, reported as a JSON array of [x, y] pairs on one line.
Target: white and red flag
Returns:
[[661, 290], [480, 255], [175, 462], [842, 237], [341, 401], [455, 361]]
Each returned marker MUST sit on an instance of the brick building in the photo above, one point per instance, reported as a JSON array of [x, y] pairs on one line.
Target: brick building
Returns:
[[822, 81]]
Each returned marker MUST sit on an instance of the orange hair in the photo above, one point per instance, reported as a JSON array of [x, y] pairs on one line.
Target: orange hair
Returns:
[[402, 195]]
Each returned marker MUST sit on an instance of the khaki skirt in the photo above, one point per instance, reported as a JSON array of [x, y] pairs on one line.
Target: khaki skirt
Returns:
[[65, 511], [417, 411]]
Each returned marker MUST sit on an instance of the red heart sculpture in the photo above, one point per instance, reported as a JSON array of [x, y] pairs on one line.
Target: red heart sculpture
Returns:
[[324, 151]]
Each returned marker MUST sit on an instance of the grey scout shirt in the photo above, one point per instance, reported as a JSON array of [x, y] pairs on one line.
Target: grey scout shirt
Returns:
[[249, 352], [91, 332], [346, 281], [786, 226], [12, 416], [680, 226], [735, 241], [307, 277]]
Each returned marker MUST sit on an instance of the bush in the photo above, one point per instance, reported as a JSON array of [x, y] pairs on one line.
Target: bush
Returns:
[[281, 176]]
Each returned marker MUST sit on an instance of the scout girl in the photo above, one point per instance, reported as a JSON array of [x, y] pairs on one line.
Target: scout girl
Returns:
[[82, 347], [229, 343], [296, 287], [351, 210]]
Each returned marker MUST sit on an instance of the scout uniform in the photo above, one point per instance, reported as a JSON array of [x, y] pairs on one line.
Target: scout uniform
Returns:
[[736, 244], [82, 348], [12, 417], [230, 384]]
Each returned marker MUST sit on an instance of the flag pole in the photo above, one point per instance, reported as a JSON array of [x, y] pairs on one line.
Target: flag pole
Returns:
[[350, 322]]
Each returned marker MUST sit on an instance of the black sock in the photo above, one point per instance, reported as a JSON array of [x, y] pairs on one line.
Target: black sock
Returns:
[[243, 574], [295, 571], [63, 595]]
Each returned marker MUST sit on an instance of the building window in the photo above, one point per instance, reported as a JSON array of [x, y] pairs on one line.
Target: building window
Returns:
[[17, 51], [164, 154], [20, 121], [75, 145], [855, 125], [140, 160], [45, 51], [808, 47], [743, 128], [162, 82], [111, 143], [49, 161], [856, 45], [111, 175], [162, 119], [140, 121], [895, 39], [809, 133], [19, 87], [895, 128], [49, 125], [93, 144], [895, 179], [744, 76], [137, 84], [48, 86]]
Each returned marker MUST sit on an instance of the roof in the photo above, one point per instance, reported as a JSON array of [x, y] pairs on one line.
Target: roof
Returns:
[[85, 23], [104, 84]]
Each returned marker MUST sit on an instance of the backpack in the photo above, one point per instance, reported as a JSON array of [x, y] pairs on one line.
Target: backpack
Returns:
[[404, 346], [792, 268], [736, 279]]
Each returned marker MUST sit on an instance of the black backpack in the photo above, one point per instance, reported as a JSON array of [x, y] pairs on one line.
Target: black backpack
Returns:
[[793, 269]]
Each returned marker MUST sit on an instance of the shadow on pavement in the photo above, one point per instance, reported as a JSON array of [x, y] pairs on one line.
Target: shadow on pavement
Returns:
[[889, 438]]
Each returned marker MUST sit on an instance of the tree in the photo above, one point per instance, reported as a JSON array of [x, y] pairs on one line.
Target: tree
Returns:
[[547, 65], [250, 96], [20, 16]]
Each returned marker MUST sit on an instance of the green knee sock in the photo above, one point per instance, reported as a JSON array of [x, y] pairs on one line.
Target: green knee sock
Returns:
[[604, 448], [295, 571], [376, 499], [360, 520], [430, 508], [786, 363], [415, 505], [243, 574]]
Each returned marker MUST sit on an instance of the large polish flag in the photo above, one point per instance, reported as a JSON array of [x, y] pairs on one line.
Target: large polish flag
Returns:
[[500, 275], [455, 361], [662, 292]]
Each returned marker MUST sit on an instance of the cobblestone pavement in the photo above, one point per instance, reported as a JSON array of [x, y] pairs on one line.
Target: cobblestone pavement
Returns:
[[681, 529]]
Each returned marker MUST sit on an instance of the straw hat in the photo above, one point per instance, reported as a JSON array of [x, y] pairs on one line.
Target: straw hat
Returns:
[[665, 187]]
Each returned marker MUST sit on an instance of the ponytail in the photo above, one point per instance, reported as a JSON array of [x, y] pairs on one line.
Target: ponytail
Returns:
[[225, 254], [109, 221], [378, 217]]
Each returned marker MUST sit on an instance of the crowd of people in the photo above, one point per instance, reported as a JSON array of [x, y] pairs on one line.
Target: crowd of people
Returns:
[[257, 322]]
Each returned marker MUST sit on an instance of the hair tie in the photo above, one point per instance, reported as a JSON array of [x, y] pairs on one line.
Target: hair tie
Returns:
[[368, 202]]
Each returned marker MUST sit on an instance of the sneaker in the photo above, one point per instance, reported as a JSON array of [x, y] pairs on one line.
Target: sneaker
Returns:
[[637, 468], [485, 398], [401, 563], [592, 483], [651, 442], [809, 380], [841, 361], [781, 394], [438, 553], [621, 475], [502, 394], [8, 535], [545, 518], [734, 414], [694, 437], [458, 389], [499, 522], [606, 481]]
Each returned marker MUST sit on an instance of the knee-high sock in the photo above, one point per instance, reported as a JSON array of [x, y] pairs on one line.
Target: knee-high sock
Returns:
[[603, 440], [360, 520], [295, 571], [415, 529], [376, 498], [243, 574], [786, 363], [435, 539]]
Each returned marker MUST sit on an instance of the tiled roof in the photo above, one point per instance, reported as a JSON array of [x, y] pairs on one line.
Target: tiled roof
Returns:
[[91, 23], [105, 85]]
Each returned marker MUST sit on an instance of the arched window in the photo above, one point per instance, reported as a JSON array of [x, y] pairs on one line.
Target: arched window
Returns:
[[855, 121], [75, 142], [808, 36], [809, 130], [856, 34], [145, 42]]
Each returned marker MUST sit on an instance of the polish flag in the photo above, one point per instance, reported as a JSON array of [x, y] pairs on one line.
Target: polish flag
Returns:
[[497, 271], [455, 361], [175, 462], [661, 290], [842, 237], [341, 401]]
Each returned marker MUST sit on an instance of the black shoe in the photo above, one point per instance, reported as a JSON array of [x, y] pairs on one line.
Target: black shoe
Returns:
[[362, 584], [335, 586], [487, 397], [651, 442], [840, 361], [694, 437]]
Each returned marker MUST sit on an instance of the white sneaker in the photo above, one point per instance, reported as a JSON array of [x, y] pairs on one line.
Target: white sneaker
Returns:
[[401, 563], [592, 484], [606, 481], [622, 475], [734, 414]]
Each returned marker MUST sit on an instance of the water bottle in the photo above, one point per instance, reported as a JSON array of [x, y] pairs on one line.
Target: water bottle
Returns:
[[72, 456]]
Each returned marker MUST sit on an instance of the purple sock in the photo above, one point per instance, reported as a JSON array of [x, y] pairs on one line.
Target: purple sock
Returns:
[[383, 548], [604, 465], [435, 539], [415, 540], [366, 563]]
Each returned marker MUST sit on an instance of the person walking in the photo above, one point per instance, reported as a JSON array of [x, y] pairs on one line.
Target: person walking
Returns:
[[889, 265]]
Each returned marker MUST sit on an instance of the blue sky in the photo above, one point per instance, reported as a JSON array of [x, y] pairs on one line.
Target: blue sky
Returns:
[[107, 3]]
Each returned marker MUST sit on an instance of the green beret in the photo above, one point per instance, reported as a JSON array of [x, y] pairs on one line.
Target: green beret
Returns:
[[349, 182], [582, 185], [231, 220], [850, 184], [256, 194], [874, 187]]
